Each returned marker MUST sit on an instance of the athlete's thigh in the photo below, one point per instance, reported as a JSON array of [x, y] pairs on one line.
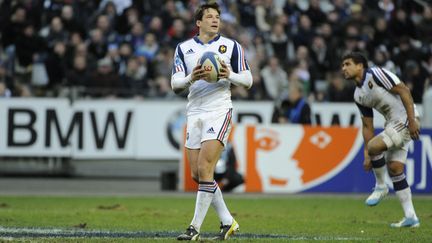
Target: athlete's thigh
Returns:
[[216, 126], [377, 143], [192, 155], [210, 152]]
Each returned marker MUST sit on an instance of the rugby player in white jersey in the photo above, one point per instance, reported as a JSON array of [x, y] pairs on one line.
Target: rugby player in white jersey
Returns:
[[209, 112], [382, 90]]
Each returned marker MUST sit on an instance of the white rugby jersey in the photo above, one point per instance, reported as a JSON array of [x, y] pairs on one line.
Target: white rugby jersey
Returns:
[[204, 96], [374, 93]]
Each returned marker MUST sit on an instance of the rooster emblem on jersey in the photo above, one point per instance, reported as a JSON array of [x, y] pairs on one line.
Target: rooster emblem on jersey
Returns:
[[222, 49]]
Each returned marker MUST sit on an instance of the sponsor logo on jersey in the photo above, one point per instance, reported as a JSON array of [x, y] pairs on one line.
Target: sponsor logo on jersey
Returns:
[[190, 51]]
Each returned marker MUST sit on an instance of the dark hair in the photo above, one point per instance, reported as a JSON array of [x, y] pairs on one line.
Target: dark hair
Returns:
[[357, 58], [200, 11]]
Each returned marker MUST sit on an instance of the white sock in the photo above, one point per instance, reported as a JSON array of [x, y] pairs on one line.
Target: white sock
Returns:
[[379, 169], [406, 201], [204, 198], [380, 174], [219, 205]]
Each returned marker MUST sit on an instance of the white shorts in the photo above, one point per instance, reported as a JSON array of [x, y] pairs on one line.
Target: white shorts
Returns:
[[215, 125], [397, 139]]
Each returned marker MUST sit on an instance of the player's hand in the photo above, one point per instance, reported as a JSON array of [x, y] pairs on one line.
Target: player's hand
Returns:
[[199, 73], [414, 129], [367, 164], [224, 71]]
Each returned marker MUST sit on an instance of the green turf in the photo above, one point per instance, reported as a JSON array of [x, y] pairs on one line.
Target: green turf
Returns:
[[302, 218]]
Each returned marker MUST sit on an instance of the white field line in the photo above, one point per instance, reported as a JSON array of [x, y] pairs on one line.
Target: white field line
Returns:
[[7, 233]]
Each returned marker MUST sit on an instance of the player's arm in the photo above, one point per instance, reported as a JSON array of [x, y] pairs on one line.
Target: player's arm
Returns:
[[179, 80], [392, 84], [368, 132], [244, 78], [402, 90], [240, 74]]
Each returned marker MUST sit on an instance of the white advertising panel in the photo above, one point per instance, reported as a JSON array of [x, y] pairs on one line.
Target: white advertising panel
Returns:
[[130, 129], [109, 129], [29, 127]]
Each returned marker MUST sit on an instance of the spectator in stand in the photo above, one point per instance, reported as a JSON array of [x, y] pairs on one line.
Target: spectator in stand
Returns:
[[97, 47], [425, 25], [104, 82], [69, 21], [381, 34], [156, 27], [135, 79], [402, 25], [415, 78], [150, 47], [294, 109], [137, 35], [305, 32], [177, 32], [274, 78], [5, 92], [162, 61], [339, 90], [54, 32], [28, 46], [163, 87], [125, 52], [79, 74], [405, 52], [279, 42], [382, 59], [125, 22], [14, 26], [56, 65], [6, 82], [314, 12]]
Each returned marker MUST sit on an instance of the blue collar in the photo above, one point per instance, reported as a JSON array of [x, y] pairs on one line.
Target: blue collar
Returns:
[[364, 76], [197, 40]]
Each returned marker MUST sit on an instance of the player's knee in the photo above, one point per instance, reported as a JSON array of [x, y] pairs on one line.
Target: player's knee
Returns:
[[195, 177], [372, 149], [204, 170], [395, 168]]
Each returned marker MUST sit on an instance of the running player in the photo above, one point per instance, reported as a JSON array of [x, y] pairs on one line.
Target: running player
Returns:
[[382, 90], [209, 112]]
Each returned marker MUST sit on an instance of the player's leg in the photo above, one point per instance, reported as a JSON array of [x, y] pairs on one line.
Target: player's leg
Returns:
[[221, 124], [192, 155], [207, 158], [209, 155], [192, 146], [376, 149], [402, 189]]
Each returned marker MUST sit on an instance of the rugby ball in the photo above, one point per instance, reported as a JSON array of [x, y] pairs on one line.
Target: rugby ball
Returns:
[[210, 62]]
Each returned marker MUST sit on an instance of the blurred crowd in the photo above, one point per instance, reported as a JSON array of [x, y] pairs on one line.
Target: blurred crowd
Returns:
[[124, 48]]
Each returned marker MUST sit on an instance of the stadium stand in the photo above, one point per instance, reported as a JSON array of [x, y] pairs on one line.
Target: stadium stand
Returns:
[[107, 48]]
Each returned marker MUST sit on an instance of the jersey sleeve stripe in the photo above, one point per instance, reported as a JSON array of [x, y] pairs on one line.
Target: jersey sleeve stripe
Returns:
[[381, 78], [386, 80], [243, 60], [387, 77], [239, 57], [179, 65], [234, 58]]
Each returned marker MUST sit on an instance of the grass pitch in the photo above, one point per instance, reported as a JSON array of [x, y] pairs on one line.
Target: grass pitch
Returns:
[[303, 218]]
